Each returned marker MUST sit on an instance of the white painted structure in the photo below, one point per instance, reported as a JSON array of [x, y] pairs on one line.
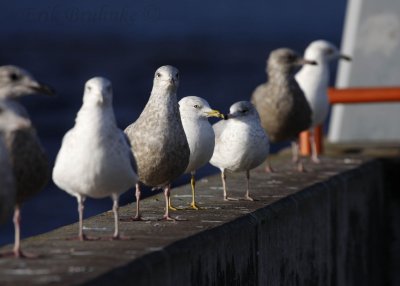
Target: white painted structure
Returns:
[[372, 38]]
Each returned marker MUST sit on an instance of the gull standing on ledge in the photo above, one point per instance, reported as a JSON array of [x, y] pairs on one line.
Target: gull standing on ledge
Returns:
[[95, 159], [241, 143], [9, 122], [199, 134], [281, 104], [314, 81], [28, 158], [158, 140]]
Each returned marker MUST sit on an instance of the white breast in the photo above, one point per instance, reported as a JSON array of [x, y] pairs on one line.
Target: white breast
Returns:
[[241, 146], [200, 136], [94, 159]]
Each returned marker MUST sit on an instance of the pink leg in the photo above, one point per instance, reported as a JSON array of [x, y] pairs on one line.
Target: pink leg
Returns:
[[247, 196], [295, 156], [268, 168], [138, 193], [17, 232], [223, 177], [81, 235], [167, 194], [17, 241], [314, 154], [116, 216]]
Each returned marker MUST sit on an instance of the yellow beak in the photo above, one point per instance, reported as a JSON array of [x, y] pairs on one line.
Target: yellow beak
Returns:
[[214, 113]]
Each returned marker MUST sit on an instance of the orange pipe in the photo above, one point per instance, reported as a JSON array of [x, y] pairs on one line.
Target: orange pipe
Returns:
[[318, 137], [348, 95], [364, 95], [305, 144], [304, 141]]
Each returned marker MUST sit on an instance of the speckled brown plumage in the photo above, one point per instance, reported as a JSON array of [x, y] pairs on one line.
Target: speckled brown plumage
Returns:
[[158, 140], [281, 104], [29, 163]]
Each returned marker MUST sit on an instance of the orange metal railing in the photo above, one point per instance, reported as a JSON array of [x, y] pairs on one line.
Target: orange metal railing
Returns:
[[348, 96]]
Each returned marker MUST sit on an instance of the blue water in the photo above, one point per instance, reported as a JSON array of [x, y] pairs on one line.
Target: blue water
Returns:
[[220, 48]]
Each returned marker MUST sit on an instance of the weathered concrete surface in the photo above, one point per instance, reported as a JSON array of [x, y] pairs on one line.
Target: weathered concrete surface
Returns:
[[329, 226]]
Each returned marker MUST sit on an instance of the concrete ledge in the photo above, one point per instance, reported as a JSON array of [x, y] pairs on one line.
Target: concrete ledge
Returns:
[[328, 226]]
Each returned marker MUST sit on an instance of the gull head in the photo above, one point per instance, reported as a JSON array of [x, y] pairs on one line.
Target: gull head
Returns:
[[323, 51], [98, 91], [10, 121], [166, 77], [197, 107], [242, 110], [16, 82], [285, 60]]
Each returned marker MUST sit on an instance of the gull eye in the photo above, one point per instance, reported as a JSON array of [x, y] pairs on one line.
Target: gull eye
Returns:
[[291, 57], [177, 76], [329, 52], [196, 106], [244, 111], [89, 88], [14, 76], [158, 74]]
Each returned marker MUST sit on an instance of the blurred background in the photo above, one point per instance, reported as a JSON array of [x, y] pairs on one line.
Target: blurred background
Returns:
[[220, 48]]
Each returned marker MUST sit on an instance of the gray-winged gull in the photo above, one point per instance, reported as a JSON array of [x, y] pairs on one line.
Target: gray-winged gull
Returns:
[[241, 143], [195, 112], [95, 159], [314, 81]]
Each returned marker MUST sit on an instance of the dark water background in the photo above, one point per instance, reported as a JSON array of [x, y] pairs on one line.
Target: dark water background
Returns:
[[220, 48]]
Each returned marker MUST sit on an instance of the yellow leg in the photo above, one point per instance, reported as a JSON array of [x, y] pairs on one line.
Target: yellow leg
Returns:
[[193, 184], [172, 208]]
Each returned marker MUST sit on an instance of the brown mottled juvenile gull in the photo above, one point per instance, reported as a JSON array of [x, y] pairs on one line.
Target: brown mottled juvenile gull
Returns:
[[9, 122], [157, 137], [314, 81], [95, 159], [194, 112], [281, 104], [28, 158], [241, 144]]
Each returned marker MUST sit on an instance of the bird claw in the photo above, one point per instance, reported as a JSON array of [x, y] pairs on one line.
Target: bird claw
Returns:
[[167, 218], [315, 160], [194, 206], [230, 199], [248, 198], [19, 254], [301, 169], [172, 208], [268, 169]]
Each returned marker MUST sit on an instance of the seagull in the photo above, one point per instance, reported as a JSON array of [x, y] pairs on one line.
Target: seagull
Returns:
[[158, 140], [281, 104], [28, 158], [241, 143], [9, 122], [314, 81], [95, 159], [195, 112]]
